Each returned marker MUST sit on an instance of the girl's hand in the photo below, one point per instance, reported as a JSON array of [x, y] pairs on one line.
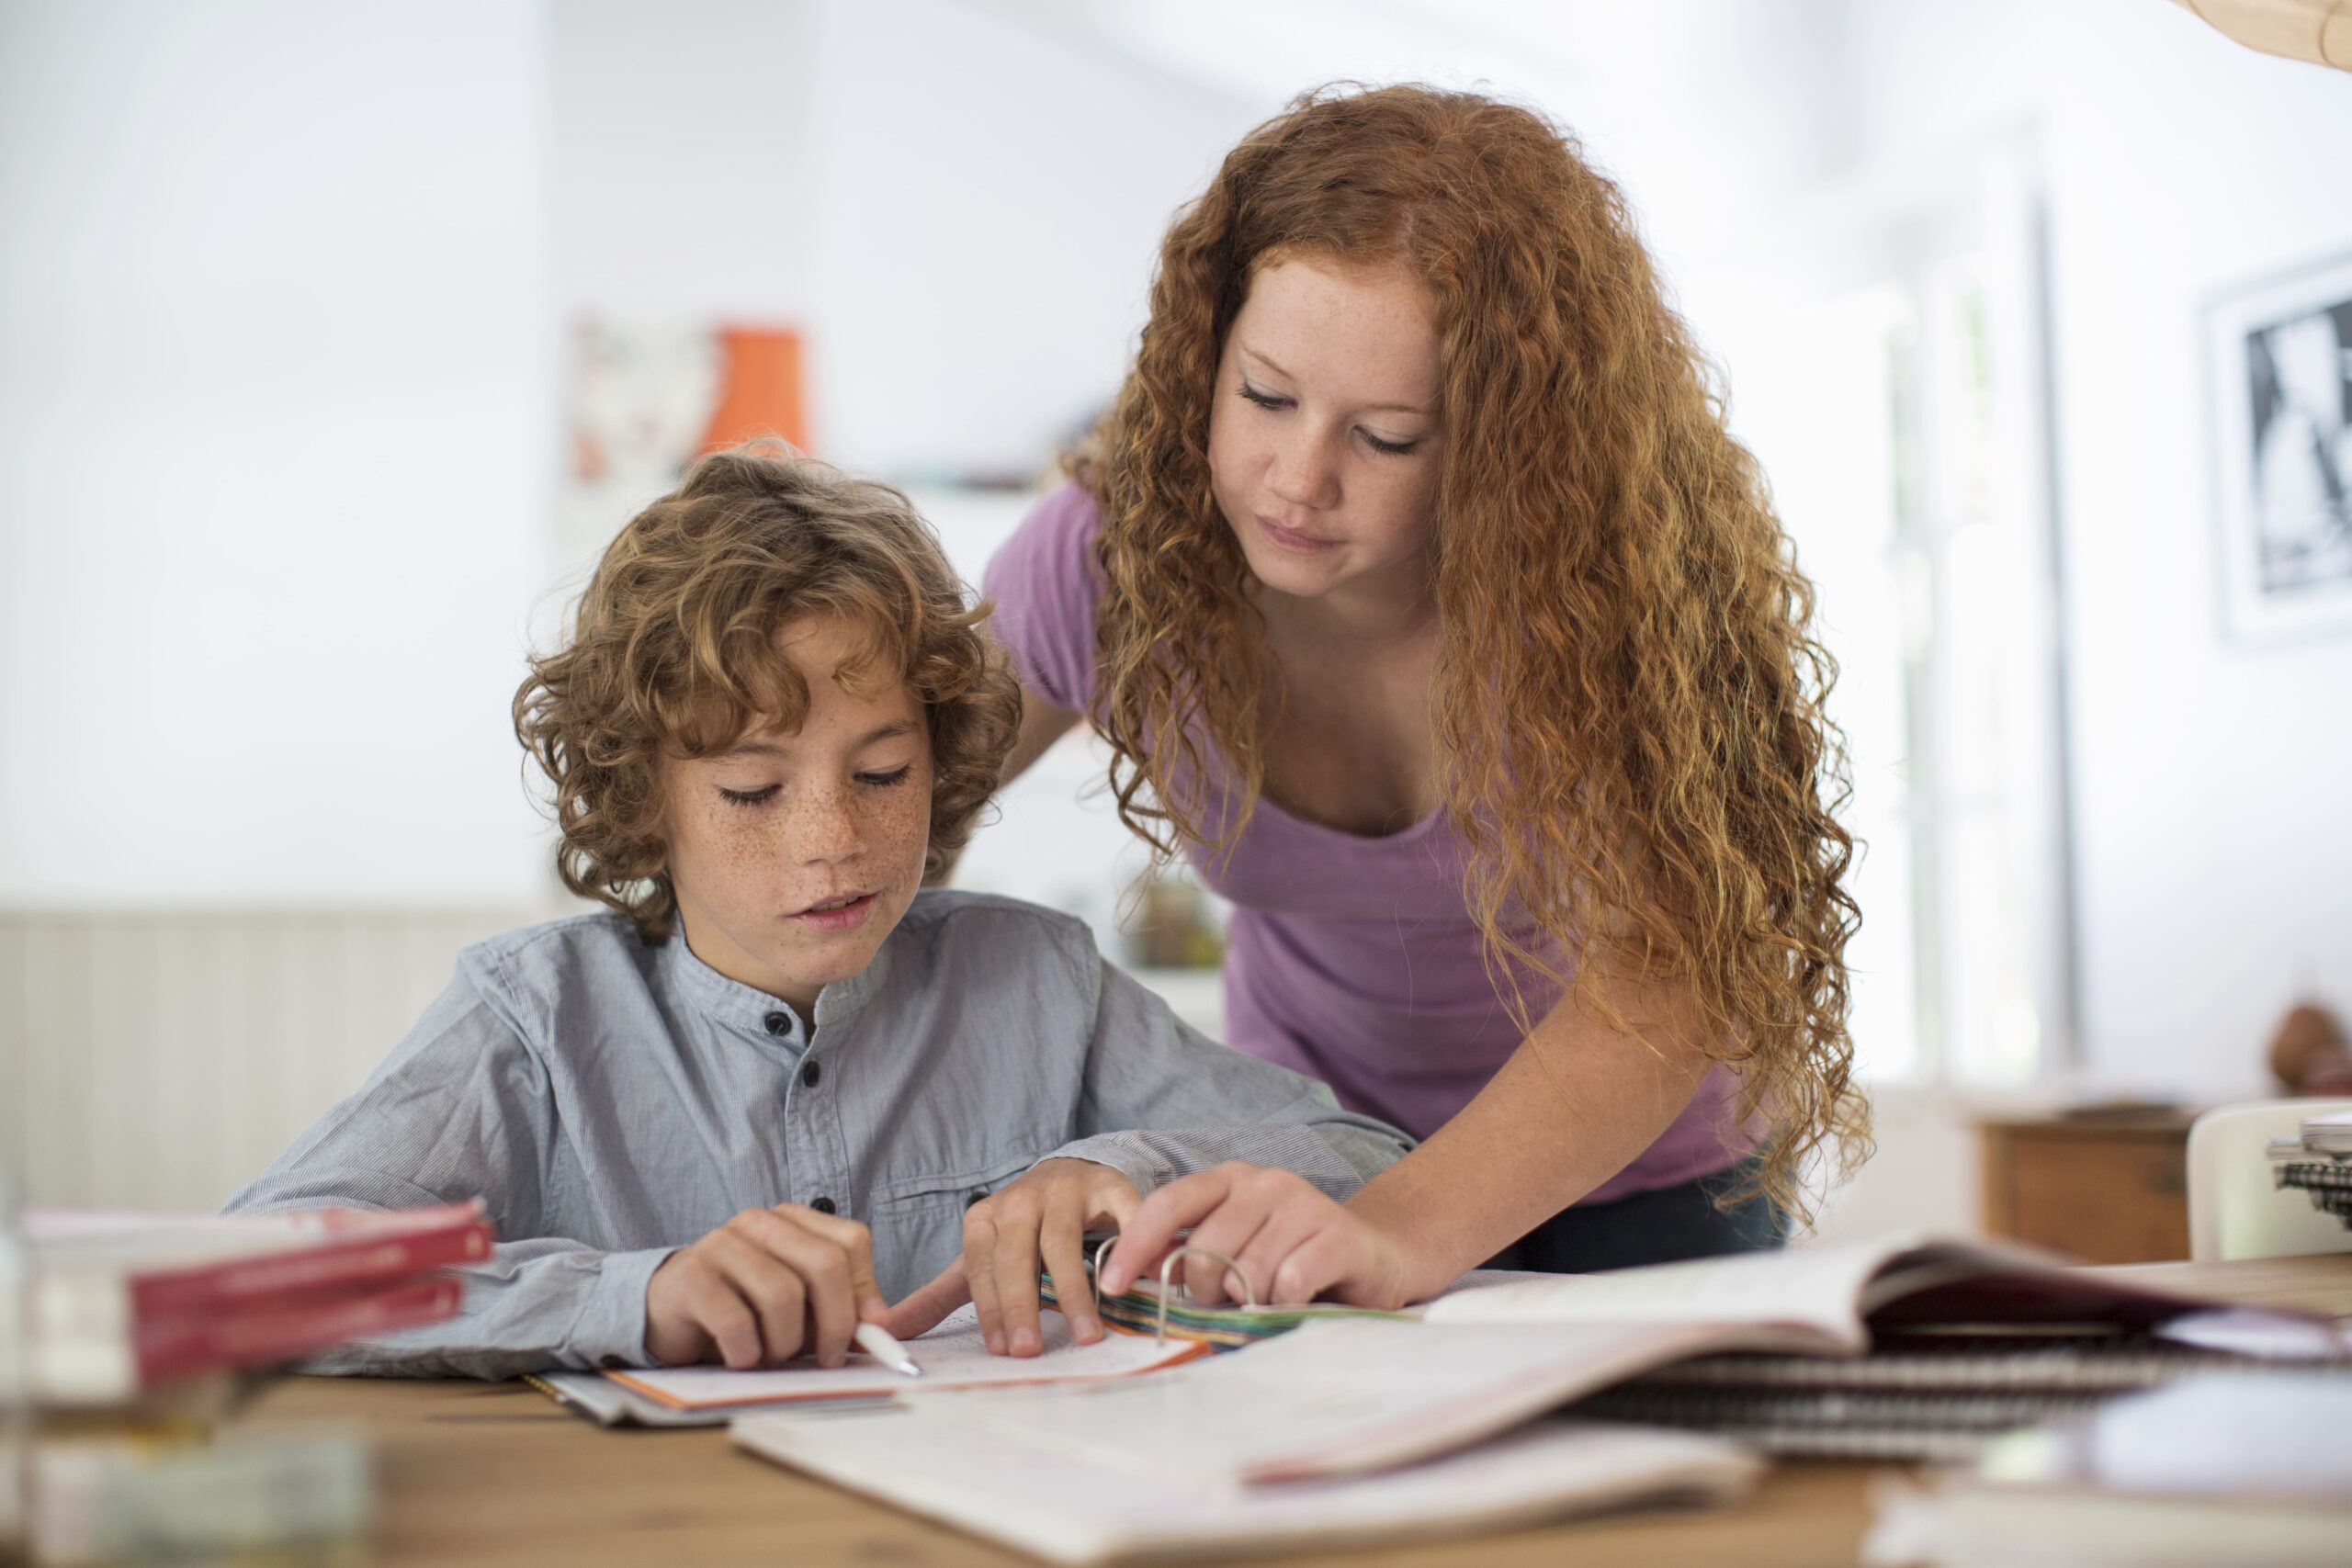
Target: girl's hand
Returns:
[[763, 1288], [1043, 1217], [1292, 1243]]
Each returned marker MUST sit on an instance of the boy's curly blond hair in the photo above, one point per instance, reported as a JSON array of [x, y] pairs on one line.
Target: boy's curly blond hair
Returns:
[[672, 653]]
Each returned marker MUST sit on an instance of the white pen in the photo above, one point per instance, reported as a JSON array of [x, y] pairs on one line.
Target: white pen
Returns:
[[879, 1343]]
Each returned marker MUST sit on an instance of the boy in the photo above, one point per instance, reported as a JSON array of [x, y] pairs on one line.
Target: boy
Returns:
[[775, 723]]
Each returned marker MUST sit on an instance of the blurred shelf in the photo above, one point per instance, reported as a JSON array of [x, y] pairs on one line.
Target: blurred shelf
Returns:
[[2103, 1188]]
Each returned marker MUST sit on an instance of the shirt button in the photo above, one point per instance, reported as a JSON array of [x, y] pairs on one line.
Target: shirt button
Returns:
[[779, 1023], [822, 1206], [810, 1074]]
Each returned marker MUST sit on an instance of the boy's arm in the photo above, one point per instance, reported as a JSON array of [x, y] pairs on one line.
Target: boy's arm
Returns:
[[1163, 1101], [463, 1109], [1158, 1100]]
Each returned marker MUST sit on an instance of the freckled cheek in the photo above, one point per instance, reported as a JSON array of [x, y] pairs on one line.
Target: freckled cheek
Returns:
[[727, 849], [900, 824]]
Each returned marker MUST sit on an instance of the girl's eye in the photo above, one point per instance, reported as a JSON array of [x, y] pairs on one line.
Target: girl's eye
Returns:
[[884, 780], [750, 797], [1269, 400]]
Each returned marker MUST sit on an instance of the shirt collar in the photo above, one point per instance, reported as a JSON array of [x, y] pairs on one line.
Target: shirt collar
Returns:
[[747, 1008]]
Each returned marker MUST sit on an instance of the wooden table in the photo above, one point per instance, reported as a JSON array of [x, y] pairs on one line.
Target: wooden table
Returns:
[[496, 1473]]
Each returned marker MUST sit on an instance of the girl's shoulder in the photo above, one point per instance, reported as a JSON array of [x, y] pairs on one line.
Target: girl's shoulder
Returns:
[[1054, 544], [1043, 582]]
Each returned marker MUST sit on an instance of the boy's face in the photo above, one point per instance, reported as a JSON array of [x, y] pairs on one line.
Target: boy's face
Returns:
[[794, 853]]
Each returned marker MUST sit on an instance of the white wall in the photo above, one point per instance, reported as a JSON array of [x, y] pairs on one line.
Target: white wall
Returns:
[[993, 196], [274, 418], [681, 163], [1706, 112], [2213, 846]]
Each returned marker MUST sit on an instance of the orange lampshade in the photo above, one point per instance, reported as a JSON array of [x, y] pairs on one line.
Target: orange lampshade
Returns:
[[760, 391]]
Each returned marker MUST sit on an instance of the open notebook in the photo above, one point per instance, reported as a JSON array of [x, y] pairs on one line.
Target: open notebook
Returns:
[[1334, 1398]]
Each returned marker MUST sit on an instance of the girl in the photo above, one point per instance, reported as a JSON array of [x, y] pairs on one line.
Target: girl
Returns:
[[1426, 604]]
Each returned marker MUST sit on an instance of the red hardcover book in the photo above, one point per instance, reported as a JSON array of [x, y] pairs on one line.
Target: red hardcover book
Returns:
[[108, 1368], [115, 1274], [291, 1329]]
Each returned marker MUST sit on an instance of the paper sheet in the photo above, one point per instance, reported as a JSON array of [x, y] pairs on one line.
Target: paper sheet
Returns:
[[1327, 1399], [951, 1356], [929, 1458]]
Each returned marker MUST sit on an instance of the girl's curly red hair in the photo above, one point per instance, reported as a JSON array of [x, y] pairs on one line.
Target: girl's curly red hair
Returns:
[[1628, 701], [674, 652]]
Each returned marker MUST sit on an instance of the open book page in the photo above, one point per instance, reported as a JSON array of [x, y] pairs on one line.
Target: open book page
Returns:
[[1818, 1286], [1832, 1289], [952, 1356], [1066, 1509], [1332, 1398]]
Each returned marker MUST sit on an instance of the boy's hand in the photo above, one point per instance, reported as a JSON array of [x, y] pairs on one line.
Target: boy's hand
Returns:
[[1044, 1217], [1292, 1243], [760, 1288]]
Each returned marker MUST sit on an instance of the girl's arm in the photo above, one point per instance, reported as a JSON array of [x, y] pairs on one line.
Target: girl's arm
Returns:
[[1042, 723], [1575, 1103]]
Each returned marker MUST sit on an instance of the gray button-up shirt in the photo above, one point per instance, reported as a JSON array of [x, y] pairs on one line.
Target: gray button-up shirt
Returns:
[[612, 1101]]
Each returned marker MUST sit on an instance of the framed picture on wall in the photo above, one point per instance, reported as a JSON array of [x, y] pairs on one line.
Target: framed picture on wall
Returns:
[[2280, 352]]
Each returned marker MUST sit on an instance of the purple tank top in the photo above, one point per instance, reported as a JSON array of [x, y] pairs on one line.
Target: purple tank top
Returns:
[[1354, 960]]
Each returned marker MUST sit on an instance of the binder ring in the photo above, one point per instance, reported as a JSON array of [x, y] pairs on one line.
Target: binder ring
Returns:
[[1167, 1268]]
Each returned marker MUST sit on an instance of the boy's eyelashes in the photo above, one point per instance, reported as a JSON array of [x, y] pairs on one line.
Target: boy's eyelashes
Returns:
[[766, 792], [1272, 400]]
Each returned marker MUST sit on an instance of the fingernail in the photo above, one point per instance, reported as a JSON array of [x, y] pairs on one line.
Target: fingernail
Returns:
[[1025, 1342], [1088, 1331], [1114, 1281], [996, 1344]]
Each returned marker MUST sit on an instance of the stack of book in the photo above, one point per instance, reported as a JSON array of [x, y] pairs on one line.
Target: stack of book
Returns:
[[126, 1340], [2318, 1162]]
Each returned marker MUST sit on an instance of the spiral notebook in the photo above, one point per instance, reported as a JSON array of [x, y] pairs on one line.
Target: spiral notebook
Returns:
[[1933, 1397]]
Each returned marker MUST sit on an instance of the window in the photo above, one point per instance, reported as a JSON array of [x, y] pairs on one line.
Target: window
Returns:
[[1900, 416]]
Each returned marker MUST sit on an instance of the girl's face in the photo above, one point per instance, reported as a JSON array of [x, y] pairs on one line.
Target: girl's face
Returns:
[[1324, 436], [795, 852]]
